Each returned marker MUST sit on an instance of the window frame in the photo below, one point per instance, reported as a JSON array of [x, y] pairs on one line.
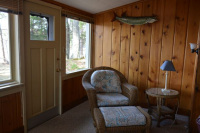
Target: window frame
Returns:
[[13, 26], [89, 52]]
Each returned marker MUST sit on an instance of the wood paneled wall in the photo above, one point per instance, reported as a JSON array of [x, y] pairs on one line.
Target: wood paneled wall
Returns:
[[73, 93], [11, 113], [139, 51], [196, 97]]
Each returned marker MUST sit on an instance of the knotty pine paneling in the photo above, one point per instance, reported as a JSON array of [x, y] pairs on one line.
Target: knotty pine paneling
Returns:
[[125, 44], [98, 35], [156, 43], [167, 38], [145, 44], [73, 92], [107, 38], [144, 48], [135, 46], [10, 113], [115, 54], [189, 72]]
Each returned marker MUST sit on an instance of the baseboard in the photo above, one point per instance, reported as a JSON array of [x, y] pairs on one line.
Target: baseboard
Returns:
[[73, 104], [43, 117], [19, 130]]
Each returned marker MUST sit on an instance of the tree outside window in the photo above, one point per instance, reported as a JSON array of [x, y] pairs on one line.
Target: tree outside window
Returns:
[[77, 45], [5, 64]]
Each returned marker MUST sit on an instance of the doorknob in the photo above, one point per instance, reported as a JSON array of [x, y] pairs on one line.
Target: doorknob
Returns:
[[58, 70]]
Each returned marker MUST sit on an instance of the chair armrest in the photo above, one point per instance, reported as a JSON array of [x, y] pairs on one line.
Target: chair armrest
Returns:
[[131, 92], [91, 93]]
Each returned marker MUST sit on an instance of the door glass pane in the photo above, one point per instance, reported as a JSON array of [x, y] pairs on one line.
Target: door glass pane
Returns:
[[5, 71], [38, 27], [77, 45]]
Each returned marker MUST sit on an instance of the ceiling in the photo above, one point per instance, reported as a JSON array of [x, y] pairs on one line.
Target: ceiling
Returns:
[[95, 6]]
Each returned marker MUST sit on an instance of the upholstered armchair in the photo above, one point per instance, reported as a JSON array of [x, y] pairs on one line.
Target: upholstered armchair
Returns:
[[106, 86]]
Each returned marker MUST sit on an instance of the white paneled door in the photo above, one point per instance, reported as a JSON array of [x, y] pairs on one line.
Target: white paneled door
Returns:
[[42, 60]]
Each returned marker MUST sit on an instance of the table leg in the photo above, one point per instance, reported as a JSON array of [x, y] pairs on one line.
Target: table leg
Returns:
[[159, 104], [149, 106]]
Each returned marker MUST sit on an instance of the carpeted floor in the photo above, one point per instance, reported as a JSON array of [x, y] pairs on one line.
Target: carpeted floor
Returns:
[[79, 120]]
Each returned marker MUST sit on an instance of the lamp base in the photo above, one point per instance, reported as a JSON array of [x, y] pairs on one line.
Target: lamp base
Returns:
[[165, 91]]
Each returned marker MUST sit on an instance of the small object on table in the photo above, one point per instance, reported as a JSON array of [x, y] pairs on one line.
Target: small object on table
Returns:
[[162, 112], [167, 66]]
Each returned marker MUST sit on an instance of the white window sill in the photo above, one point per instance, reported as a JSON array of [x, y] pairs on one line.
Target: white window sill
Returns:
[[10, 88], [75, 74]]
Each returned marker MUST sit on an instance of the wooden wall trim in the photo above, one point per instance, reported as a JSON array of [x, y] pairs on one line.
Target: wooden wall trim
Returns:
[[72, 9]]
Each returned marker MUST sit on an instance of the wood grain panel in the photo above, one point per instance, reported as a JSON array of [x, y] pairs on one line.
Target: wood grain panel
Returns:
[[168, 38], [72, 92], [196, 97], [145, 43], [115, 54], [99, 40], [6, 111], [1, 120], [135, 46], [107, 38], [50, 85], [182, 7], [189, 69], [125, 44], [156, 42], [36, 80], [10, 113]]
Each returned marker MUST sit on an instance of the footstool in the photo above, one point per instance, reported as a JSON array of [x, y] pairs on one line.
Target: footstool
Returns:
[[121, 119]]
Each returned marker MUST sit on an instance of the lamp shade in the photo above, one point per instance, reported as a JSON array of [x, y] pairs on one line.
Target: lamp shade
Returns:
[[167, 66], [193, 46]]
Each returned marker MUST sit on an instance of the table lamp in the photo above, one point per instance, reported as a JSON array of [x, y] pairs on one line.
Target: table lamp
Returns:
[[167, 66]]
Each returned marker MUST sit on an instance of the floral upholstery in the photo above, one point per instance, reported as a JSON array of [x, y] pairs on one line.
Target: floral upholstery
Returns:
[[111, 99], [122, 116], [106, 81]]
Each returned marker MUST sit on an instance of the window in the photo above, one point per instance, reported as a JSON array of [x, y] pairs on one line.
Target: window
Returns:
[[41, 27], [77, 45], [5, 62], [9, 48]]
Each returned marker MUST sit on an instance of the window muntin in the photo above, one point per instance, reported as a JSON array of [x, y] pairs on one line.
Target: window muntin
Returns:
[[41, 27], [77, 45], [5, 61]]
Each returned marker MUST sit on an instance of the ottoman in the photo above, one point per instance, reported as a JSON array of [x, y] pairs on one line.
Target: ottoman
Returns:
[[121, 119]]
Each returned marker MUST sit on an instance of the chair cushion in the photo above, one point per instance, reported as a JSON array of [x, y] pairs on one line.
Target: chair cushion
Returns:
[[106, 81], [111, 99], [122, 116]]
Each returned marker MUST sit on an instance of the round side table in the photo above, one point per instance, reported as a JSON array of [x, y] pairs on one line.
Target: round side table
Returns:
[[162, 112]]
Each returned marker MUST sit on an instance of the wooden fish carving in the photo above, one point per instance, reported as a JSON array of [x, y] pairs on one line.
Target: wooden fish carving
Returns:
[[135, 20]]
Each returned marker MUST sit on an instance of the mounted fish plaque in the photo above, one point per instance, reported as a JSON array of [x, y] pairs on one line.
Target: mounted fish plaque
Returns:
[[134, 20]]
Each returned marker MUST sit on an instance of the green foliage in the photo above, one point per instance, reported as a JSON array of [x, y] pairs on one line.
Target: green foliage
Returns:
[[74, 67], [38, 28]]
